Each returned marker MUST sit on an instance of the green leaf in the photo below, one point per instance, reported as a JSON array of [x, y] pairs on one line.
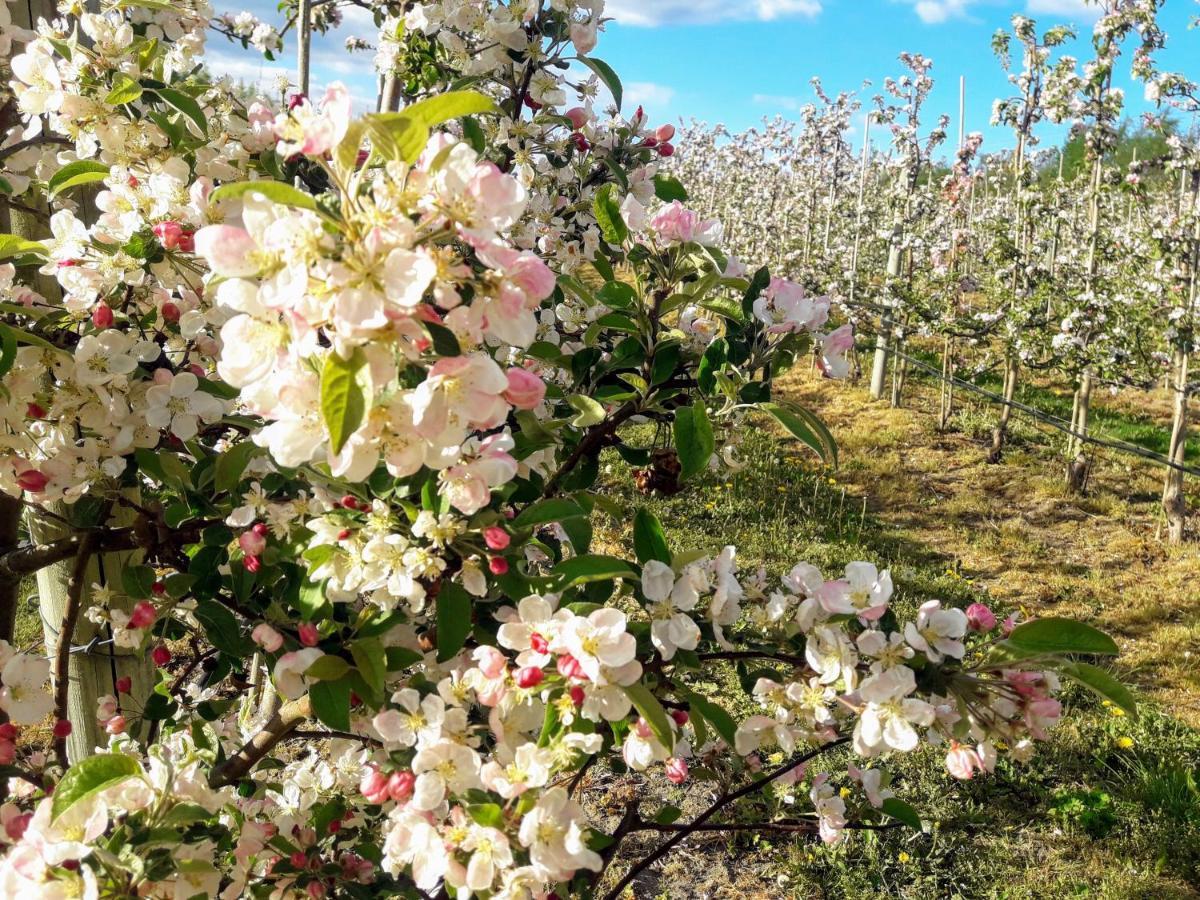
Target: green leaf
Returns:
[[608, 216], [331, 703], [124, 90], [715, 715], [617, 295], [343, 403], [693, 438], [83, 171], [451, 105], [186, 105], [715, 356], [652, 711], [1101, 682], [667, 815], [220, 627], [902, 812], [1055, 635], [13, 245], [489, 815], [328, 668], [592, 567], [311, 601], [90, 776], [805, 427], [554, 509], [275, 191], [453, 620], [649, 539], [444, 341], [232, 463], [346, 154], [8, 349], [371, 660], [668, 188], [398, 136], [590, 411], [606, 74]]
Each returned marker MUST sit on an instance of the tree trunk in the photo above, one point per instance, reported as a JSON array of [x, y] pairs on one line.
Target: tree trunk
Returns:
[[1000, 432], [1174, 500], [882, 340], [94, 672], [947, 407], [1078, 465]]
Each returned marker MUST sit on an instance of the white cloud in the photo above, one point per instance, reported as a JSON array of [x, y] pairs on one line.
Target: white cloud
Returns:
[[647, 93], [1064, 8], [935, 12], [695, 12], [776, 101]]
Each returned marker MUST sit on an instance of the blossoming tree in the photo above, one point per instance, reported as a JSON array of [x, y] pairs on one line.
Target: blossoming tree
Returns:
[[341, 383]]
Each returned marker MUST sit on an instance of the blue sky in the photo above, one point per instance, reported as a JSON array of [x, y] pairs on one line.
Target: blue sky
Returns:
[[736, 61]]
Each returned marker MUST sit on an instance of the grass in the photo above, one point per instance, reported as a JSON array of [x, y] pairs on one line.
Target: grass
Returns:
[[1110, 808]]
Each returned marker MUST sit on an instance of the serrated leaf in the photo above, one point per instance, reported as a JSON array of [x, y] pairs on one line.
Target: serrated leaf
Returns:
[[715, 715], [608, 216], [444, 341], [1056, 635], [1102, 683], [232, 463], [649, 539], [450, 105], [553, 509], [82, 171], [617, 295], [489, 815], [220, 627], [453, 620], [805, 427], [124, 90], [652, 711], [668, 188], [343, 402], [275, 191], [330, 702], [902, 812], [590, 411], [89, 777], [592, 567], [694, 440], [371, 660], [328, 668], [398, 136], [186, 105]]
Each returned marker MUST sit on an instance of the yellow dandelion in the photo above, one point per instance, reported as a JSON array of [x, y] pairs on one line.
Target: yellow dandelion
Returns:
[[904, 857], [1125, 742], [1117, 711]]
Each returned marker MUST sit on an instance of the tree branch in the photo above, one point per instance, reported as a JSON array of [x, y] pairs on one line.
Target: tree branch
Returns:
[[717, 806], [66, 637], [283, 723], [593, 442]]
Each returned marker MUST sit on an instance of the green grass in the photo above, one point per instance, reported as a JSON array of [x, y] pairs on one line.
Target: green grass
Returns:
[[1108, 809]]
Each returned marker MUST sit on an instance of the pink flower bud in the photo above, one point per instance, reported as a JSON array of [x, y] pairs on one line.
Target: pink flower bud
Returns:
[[16, 826], [374, 785], [497, 565], [266, 637], [575, 692], [680, 716], [261, 529], [158, 589], [315, 890], [676, 770], [35, 411], [1008, 625], [980, 618], [115, 725], [666, 149], [252, 544], [578, 116], [168, 234], [664, 133], [8, 732], [170, 312], [525, 390], [161, 655], [961, 762], [529, 677], [62, 728], [8, 752], [102, 316], [491, 662], [538, 643], [568, 667], [33, 481], [252, 563], [299, 859], [400, 786], [124, 684], [496, 538], [309, 636], [350, 502], [143, 615]]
